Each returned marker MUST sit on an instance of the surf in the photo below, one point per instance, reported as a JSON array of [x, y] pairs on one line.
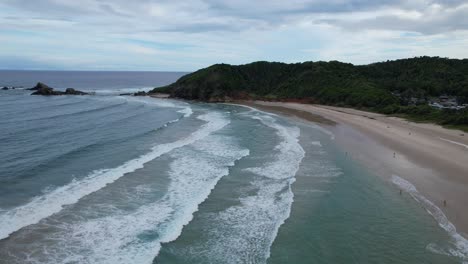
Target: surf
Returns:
[[53, 201], [460, 243], [244, 233], [137, 236]]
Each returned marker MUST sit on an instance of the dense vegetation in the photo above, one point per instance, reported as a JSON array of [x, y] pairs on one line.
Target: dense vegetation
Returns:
[[384, 87]]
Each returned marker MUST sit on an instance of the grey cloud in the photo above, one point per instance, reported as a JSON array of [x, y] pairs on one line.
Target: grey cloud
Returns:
[[201, 27], [111, 10], [448, 19], [238, 15]]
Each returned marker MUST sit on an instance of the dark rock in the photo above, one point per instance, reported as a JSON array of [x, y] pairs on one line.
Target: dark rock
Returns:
[[39, 86], [42, 89], [47, 91], [122, 94], [72, 91], [5, 88], [140, 93]]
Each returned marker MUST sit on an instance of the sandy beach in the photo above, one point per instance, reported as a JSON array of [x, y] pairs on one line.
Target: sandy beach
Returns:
[[432, 158]]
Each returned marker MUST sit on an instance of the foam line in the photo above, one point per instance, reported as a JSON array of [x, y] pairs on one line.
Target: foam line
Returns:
[[244, 233], [251, 108], [136, 237], [455, 142], [285, 167], [460, 243], [52, 202], [321, 129], [118, 91], [186, 111]]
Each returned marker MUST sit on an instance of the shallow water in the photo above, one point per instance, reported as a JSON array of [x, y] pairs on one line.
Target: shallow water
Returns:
[[116, 179]]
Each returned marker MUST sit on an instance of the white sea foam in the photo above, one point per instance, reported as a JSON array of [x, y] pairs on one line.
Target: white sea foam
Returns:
[[186, 111], [153, 101], [244, 233], [316, 143], [309, 124], [118, 91], [290, 152], [455, 142], [53, 201], [252, 108], [168, 123], [286, 166], [136, 237], [460, 243]]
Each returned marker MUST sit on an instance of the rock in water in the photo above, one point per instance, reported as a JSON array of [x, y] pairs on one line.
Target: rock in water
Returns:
[[74, 92], [46, 91], [140, 93], [39, 86], [5, 88], [42, 89]]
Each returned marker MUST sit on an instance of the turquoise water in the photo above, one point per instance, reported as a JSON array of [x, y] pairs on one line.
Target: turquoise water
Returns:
[[356, 218], [116, 179]]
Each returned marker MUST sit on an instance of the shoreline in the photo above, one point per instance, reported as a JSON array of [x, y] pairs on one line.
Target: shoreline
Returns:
[[434, 159]]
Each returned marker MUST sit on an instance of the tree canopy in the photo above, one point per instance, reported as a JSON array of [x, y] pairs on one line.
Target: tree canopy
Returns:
[[372, 86]]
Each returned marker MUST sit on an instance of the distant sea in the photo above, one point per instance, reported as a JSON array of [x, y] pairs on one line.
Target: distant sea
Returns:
[[120, 179]]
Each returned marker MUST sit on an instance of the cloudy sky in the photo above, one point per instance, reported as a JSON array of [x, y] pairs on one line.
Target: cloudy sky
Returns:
[[188, 35]]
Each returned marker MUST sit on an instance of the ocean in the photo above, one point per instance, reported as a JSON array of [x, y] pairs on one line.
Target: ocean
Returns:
[[106, 178]]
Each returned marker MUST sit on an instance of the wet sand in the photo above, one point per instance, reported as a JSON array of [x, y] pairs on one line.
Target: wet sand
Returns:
[[432, 158]]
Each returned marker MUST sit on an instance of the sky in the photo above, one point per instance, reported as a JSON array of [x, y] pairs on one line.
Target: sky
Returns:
[[188, 35]]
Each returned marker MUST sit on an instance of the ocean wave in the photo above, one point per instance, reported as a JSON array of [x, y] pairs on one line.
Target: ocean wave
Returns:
[[290, 152], [48, 105], [252, 108], [186, 109], [53, 201], [61, 115], [309, 124], [316, 143], [118, 91], [136, 237], [76, 150], [460, 243], [100, 118], [288, 160], [244, 233], [155, 101]]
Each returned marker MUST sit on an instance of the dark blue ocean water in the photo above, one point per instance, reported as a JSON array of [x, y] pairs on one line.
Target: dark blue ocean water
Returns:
[[88, 80], [118, 179]]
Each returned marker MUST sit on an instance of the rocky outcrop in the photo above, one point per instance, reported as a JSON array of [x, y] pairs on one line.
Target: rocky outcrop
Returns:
[[46, 90], [140, 93], [72, 91], [42, 89], [39, 86], [10, 87]]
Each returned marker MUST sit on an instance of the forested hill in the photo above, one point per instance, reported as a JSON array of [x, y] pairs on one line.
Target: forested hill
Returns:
[[400, 87], [327, 82]]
